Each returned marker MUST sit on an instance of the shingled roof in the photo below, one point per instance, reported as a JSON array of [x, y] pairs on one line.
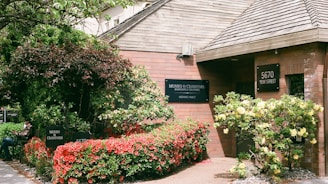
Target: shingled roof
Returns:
[[132, 21], [271, 24]]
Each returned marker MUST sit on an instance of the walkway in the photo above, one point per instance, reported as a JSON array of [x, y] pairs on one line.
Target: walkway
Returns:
[[10, 176], [210, 171]]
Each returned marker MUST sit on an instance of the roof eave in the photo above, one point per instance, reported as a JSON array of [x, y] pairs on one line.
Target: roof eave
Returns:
[[287, 40]]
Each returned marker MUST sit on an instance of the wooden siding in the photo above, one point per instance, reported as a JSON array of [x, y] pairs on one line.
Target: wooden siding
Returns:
[[182, 21]]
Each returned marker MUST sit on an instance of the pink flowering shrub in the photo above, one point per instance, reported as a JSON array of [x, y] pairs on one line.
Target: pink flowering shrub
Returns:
[[139, 155], [35, 150], [39, 156]]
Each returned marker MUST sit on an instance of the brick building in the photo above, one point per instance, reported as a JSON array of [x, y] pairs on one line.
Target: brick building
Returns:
[[227, 44]]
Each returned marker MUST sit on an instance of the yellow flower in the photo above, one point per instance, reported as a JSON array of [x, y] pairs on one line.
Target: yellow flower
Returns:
[[313, 141], [241, 165], [241, 110], [311, 113], [276, 159], [222, 117], [293, 132], [265, 149], [277, 171], [302, 132], [226, 130], [302, 105], [295, 157], [316, 107]]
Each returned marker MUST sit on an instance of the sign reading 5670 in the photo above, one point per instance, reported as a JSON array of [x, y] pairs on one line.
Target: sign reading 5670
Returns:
[[268, 77]]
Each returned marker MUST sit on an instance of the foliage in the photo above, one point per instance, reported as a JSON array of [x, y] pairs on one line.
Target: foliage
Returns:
[[44, 116], [240, 169], [39, 156], [61, 76], [7, 129], [64, 74], [134, 100], [127, 158], [19, 18], [274, 125]]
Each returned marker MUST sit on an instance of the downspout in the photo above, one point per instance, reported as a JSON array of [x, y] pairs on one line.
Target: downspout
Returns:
[[325, 104]]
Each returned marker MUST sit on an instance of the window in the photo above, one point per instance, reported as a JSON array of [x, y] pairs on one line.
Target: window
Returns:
[[295, 85]]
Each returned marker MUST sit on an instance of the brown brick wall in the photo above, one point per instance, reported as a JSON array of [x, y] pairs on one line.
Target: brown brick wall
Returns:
[[163, 66], [307, 59], [224, 76]]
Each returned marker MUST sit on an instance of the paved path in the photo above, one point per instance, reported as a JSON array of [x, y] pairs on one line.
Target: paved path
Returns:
[[10, 176], [210, 171]]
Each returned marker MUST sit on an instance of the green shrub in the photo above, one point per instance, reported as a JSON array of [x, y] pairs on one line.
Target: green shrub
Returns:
[[127, 158], [276, 125], [7, 129]]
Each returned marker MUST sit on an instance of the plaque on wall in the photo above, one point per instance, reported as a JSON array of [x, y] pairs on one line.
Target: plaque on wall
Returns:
[[268, 78], [187, 90]]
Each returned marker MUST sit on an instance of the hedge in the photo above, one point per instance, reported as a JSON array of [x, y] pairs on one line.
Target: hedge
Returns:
[[132, 157]]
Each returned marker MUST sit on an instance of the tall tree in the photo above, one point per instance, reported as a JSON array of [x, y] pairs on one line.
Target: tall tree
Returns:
[[18, 18]]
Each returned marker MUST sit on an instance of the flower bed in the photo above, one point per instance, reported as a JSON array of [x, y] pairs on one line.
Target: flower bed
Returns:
[[128, 158]]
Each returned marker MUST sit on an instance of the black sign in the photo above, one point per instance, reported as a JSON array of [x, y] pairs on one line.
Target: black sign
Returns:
[[187, 90], [54, 136], [268, 77], [11, 116], [81, 136]]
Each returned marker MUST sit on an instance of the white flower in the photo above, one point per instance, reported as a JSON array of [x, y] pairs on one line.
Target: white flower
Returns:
[[295, 157], [226, 130], [302, 105], [266, 125], [261, 105], [220, 117], [293, 132], [241, 110], [245, 102]]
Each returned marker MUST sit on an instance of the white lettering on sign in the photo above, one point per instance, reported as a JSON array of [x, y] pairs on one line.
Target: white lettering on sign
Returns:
[[54, 131], [55, 138], [267, 75], [187, 97], [186, 87], [268, 81]]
